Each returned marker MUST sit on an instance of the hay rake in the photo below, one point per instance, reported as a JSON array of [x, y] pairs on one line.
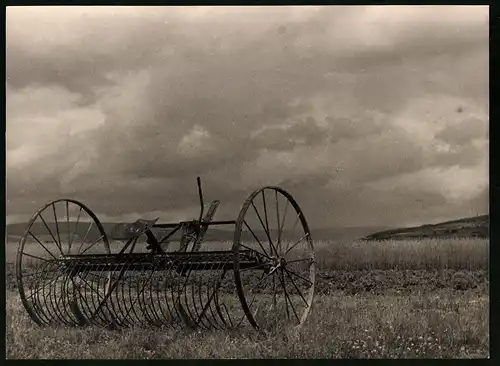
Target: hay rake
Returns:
[[70, 273]]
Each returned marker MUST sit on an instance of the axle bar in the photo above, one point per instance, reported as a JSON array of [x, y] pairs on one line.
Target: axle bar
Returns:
[[212, 223], [143, 262], [180, 267]]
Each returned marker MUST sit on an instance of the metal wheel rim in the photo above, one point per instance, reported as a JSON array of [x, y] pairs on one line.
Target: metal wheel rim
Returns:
[[237, 246], [34, 315]]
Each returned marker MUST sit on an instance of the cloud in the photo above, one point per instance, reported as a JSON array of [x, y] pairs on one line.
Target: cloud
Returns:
[[286, 137], [464, 131], [123, 107]]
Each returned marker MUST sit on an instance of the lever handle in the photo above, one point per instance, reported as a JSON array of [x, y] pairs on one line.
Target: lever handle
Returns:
[[200, 193]]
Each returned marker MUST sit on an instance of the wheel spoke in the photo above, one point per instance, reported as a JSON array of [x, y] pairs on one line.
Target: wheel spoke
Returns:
[[69, 227], [278, 244], [299, 276], [271, 245], [284, 291], [293, 229], [261, 280], [253, 299], [254, 267], [274, 300], [43, 246], [85, 237], [253, 250], [262, 223], [258, 241], [300, 260], [94, 243], [295, 285], [74, 232], [50, 232], [293, 246], [283, 223], [286, 294], [57, 225], [36, 257]]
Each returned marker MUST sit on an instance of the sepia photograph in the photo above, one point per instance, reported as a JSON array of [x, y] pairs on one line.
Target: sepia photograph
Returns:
[[247, 182]]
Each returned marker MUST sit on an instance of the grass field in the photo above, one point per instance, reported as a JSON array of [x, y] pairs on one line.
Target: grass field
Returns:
[[415, 299]]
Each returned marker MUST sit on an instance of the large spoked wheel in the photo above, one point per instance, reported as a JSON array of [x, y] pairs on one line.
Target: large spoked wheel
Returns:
[[48, 290], [278, 290]]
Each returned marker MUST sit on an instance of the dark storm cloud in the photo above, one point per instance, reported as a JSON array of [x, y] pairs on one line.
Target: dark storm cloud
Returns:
[[302, 132], [77, 48], [465, 156], [464, 131], [353, 127], [131, 104]]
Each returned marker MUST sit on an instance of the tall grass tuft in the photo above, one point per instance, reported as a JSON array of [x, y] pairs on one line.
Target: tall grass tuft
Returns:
[[458, 254]]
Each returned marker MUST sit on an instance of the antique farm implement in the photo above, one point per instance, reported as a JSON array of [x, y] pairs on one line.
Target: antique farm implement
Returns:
[[71, 271]]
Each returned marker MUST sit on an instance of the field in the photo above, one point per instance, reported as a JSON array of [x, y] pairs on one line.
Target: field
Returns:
[[394, 299]]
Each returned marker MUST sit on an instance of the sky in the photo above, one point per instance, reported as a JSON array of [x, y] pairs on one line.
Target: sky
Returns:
[[368, 116]]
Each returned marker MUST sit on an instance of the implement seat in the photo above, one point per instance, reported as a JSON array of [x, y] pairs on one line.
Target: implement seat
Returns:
[[128, 231]]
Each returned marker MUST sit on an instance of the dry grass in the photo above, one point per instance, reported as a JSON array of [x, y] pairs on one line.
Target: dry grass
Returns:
[[414, 299], [467, 254], [444, 324], [464, 254]]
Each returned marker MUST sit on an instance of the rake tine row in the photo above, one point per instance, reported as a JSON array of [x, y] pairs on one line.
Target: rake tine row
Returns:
[[157, 294]]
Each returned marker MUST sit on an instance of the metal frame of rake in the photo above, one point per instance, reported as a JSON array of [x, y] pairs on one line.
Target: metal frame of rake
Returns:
[[266, 279]]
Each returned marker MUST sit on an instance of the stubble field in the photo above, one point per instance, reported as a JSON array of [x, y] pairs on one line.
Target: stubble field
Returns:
[[413, 299]]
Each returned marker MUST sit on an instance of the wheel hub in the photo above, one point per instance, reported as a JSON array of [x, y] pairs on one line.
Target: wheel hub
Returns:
[[276, 262]]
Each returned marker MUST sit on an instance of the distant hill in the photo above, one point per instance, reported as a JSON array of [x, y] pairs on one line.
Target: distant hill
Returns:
[[467, 227], [15, 232], [470, 227]]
